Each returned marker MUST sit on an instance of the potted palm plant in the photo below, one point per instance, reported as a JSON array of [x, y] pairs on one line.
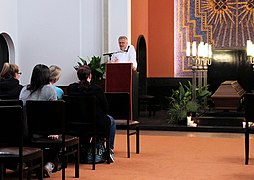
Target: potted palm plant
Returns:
[[96, 66], [181, 103]]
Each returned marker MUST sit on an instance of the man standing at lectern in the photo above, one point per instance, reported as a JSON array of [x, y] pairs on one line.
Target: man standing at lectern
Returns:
[[127, 53]]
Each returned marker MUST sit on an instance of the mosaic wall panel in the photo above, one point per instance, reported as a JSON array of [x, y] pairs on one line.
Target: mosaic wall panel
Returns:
[[225, 24]]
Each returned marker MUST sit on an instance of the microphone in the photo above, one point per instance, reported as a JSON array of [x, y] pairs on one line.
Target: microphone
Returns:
[[127, 49], [108, 54]]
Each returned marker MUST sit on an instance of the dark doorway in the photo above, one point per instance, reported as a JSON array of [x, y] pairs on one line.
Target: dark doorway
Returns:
[[141, 60], [4, 52]]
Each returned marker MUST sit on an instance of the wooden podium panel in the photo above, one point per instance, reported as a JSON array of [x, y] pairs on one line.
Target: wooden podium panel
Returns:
[[118, 77]]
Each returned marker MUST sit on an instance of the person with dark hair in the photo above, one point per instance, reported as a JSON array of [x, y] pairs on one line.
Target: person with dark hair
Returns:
[[40, 89], [9, 81], [85, 88]]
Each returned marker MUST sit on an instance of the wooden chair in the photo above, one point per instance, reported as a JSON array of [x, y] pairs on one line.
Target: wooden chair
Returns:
[[249, 117], [119, 109], [148, 101], [12, 149], [11, 102], [5, 97], [48, 118], [81, 120]]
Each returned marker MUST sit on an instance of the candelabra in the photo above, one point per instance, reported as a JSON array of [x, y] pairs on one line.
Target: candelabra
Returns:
[[250, 52], [200, 62]]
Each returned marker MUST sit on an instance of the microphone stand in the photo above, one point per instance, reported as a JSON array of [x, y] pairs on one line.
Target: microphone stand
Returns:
[[111, 53], [108, 54]]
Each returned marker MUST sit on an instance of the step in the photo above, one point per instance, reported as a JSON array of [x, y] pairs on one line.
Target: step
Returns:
[[219, 121]]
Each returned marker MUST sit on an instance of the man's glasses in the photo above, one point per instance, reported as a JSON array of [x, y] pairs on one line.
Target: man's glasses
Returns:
[[19, 73]]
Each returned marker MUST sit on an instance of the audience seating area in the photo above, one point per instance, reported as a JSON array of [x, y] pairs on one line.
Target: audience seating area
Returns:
[[71, 118], [48, 118], [81, 121], [13, 152]]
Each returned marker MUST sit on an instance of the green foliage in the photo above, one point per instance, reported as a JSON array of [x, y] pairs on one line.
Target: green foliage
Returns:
[[192, 106], [181, 103], [201, 95], [97, 68]]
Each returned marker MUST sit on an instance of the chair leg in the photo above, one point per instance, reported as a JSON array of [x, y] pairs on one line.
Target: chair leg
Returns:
[[137, 140], [29, 174], [1, 171], [63, 172], [20, 171], [77, 162], [40, 169], [64, 162], [94, 149], [128, 144], [108, 150], [150, 109], [138, 108], [246, 147]]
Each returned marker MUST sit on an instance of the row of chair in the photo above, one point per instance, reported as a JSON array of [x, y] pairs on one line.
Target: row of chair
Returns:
[[12, 150], [74, 116]]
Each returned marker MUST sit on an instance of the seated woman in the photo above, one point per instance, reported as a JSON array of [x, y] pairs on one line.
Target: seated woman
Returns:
[[40, 89], [55, 73], [85, 88], [9, 81]]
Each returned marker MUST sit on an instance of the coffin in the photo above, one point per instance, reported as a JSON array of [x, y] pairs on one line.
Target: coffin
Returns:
[[228, 96]]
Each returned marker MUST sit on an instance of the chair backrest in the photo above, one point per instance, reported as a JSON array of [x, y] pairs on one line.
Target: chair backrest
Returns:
[[119, 105], [5, 97], [11, 128], [80, 114], [45, 117], [248, 107], [11, 102]]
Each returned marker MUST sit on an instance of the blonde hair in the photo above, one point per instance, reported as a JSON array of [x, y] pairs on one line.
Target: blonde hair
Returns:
[[55, 73], [9, 70]]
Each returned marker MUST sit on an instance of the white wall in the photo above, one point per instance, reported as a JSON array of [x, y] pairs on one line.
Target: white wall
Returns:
[[8, 24], [91, 28], [57, 32], [119, 22]]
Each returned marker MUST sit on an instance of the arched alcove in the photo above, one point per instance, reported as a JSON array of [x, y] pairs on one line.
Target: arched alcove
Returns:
[[6, 49], [4, 52], [142, 64]]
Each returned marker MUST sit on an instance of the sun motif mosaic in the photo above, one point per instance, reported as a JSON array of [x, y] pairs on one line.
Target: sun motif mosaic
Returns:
[[223, 23]]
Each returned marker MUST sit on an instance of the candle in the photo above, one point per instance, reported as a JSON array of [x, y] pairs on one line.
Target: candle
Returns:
[[249, 47], [200, 52], [189, 122], [210, 53], [206, 52], [251, 51], [188, 49], [201, 49], [194, 50]]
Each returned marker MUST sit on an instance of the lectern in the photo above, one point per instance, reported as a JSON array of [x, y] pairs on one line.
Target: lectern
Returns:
[[121, 78]]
